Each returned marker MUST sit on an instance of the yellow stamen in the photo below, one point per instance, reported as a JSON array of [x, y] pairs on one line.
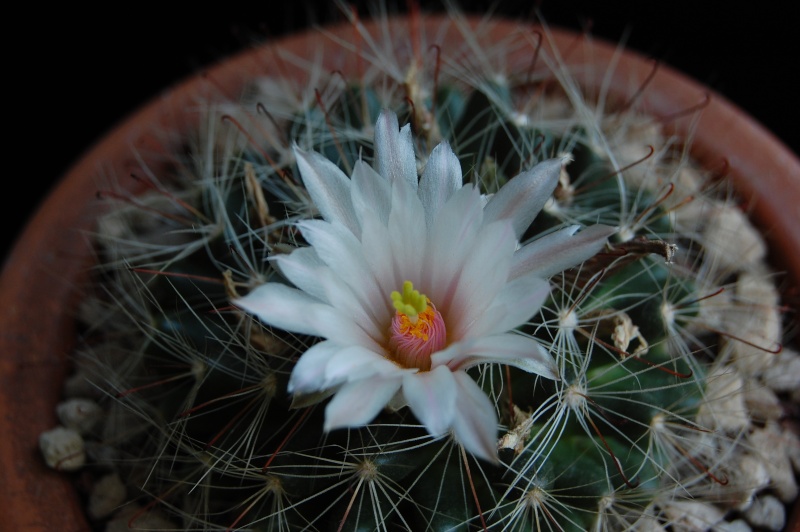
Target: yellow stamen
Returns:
[[410, 303], [421, 325], [417, 330]]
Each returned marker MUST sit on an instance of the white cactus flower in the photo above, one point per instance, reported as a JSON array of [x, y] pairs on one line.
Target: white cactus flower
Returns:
[[410, 281]]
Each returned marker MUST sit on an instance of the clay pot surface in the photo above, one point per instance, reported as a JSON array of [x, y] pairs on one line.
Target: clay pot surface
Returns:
[[42, 276]]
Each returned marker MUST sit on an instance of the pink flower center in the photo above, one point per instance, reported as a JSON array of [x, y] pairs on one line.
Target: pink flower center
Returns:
[[415, 338]]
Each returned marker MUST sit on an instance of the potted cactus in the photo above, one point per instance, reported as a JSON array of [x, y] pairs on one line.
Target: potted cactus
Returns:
[[435, 273]]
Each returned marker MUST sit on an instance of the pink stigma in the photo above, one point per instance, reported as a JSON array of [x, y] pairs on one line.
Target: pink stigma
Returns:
[[415, 340]]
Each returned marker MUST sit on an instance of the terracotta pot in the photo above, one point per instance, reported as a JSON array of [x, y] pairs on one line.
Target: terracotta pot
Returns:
[[42, 277]]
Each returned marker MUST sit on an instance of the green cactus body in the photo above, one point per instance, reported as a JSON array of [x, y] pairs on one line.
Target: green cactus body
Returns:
[[220, 443]]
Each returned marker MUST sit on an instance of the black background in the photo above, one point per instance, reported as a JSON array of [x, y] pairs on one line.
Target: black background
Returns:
[[74, 75]]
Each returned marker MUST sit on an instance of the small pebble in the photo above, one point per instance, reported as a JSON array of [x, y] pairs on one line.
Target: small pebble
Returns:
[[773, 445], [108, 494], [731, 240], [80, 415], [692, 515], [62, 449], [724, 407], [751, 477], [739, 525], [784, 374], [152, 519], [762, 403], [756, 324], [767, 512]]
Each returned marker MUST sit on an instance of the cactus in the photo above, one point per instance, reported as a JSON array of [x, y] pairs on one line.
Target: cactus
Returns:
[[637, 412]]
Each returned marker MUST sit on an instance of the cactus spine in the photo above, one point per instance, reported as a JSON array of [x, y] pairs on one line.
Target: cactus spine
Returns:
[[198, 422]]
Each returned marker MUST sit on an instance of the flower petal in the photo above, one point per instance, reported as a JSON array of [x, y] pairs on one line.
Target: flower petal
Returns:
[[370, 191], [328, 187], [357, 403], [308, 374], [559, 250], [394, 150], [281, 306], [474, 420], [450, 240], [431, 395], [407, 233], [375, 238], [513, 349], [441, 177], [302, 267], [355, 363], [484, 273], [309, 273], [521, 199], [343, 253], [514, 305], [293, 310], [302, 400]]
